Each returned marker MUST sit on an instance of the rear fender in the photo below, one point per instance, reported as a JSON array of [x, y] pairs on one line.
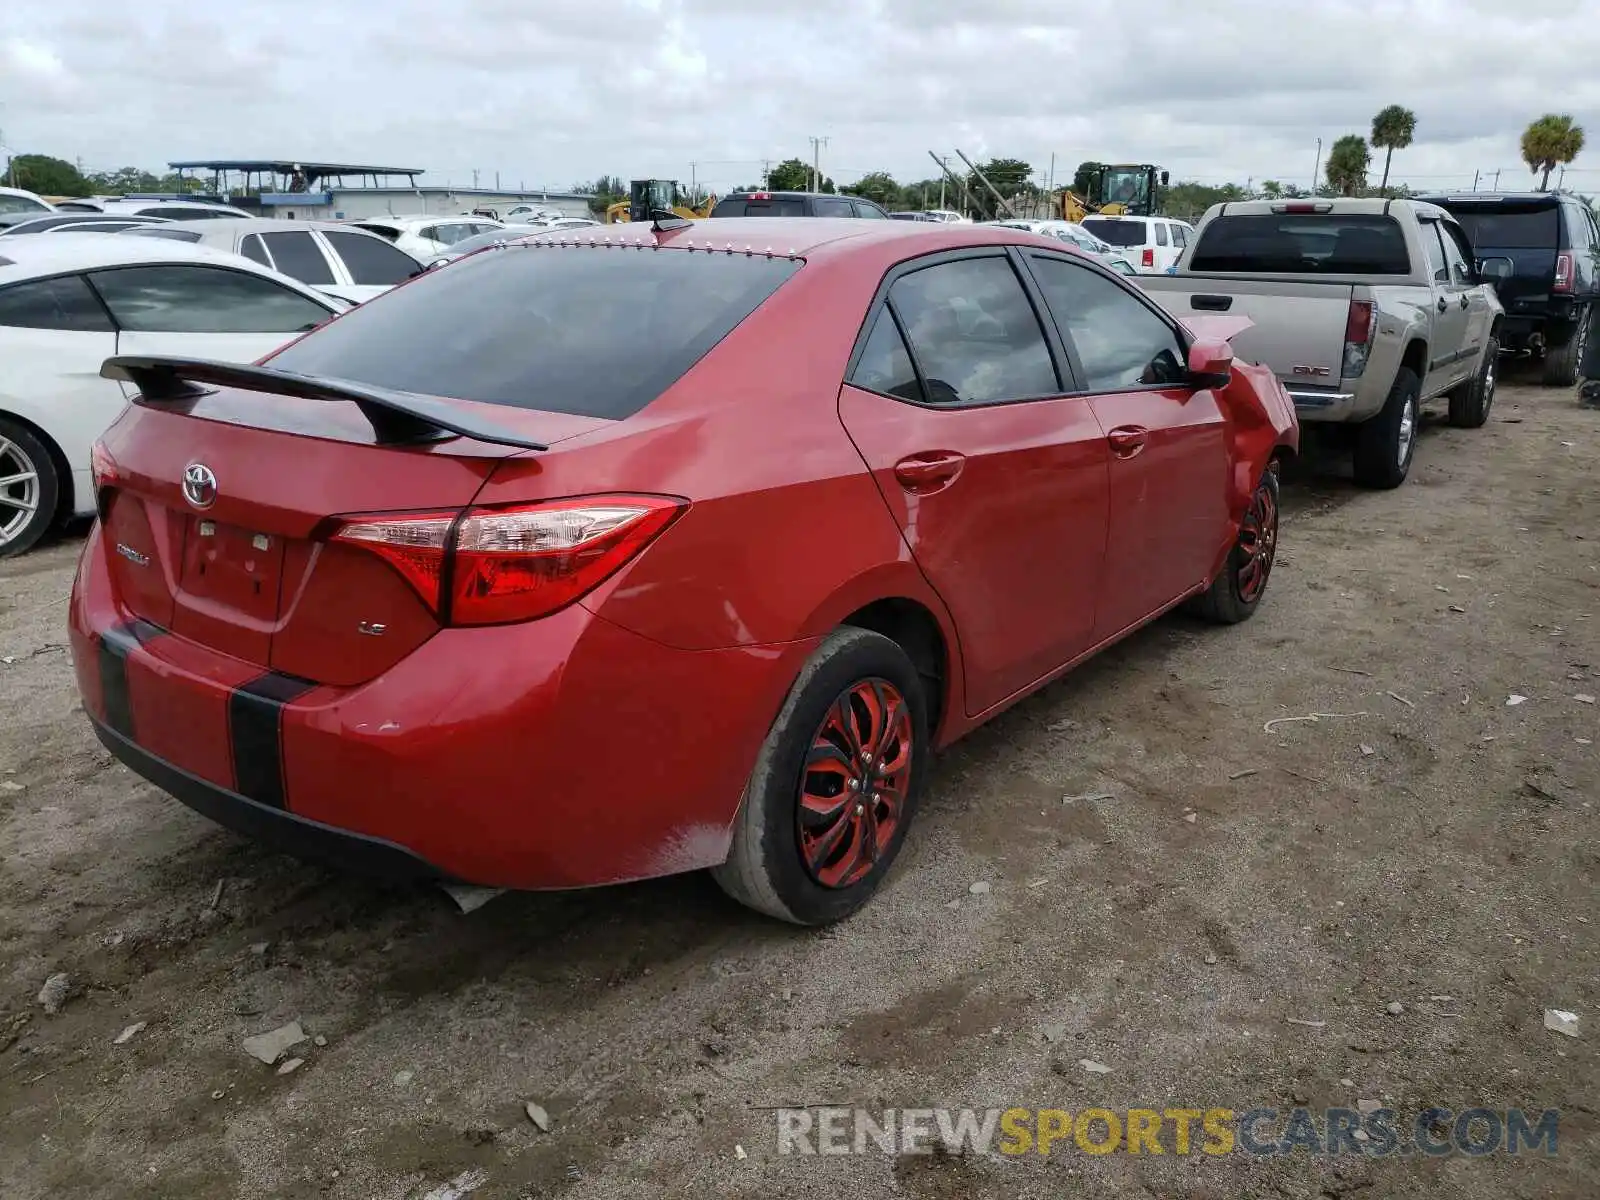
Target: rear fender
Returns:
[[1261, 426]]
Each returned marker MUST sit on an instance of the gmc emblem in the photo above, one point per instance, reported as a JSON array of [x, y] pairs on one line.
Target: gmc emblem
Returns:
[[1317, 371]]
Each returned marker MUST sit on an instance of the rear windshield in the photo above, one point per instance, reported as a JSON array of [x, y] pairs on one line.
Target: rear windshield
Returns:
[[1118, 233], [738, 207], [1509, 228], [587, 331], [1302, 243]]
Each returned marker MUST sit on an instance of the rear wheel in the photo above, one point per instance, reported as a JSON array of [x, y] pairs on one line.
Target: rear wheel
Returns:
[[1470, 403], [1385, 444], [1235, 593], [1561, 362], [835, 784], [28, 488]]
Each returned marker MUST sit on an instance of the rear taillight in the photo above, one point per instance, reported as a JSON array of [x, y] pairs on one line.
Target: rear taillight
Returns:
[[494, 566], [1563, 273], [1359, 325], [1149, 257], [102, 467]]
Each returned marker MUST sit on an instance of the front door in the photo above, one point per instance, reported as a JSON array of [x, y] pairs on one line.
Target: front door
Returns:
[[1447, 315], [1166, 441], [997, 478]]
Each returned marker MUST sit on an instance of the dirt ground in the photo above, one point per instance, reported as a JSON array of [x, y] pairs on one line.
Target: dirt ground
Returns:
[[1430, 845]]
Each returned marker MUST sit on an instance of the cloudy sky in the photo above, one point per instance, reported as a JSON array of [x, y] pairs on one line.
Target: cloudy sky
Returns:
[[549, 92]]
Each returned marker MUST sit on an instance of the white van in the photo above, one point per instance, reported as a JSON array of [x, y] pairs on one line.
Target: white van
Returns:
[[1152, 244]]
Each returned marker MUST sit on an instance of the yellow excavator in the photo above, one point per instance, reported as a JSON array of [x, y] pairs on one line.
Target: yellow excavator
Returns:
[[646, 196], [1116, 190]]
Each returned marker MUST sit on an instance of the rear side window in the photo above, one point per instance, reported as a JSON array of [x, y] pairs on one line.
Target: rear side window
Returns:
[[1118, 233], [1302, 243], [253, 249], [975, 335], [885, 365], [1511, 227], [195, 299], [62, 303], [1161, 234], [573, 330], [298, 256], [369, 261], [828, 206], [869, 210]]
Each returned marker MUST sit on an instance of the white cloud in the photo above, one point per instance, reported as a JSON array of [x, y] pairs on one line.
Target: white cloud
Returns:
[[563, 90]]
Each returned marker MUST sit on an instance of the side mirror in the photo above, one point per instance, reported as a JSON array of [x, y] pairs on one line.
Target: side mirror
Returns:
[[1495, 270], [1210, 363]]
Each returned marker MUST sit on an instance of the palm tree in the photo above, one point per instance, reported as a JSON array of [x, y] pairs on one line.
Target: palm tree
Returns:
[[1393, 129], [1549, 142], [1347, 164]]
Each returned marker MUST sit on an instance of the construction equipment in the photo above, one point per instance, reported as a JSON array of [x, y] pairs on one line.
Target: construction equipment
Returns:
[[649, 196], [1116, 190]]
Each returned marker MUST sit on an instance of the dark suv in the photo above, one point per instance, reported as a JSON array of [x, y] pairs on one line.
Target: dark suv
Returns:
[[795, 204], [1552, 242]]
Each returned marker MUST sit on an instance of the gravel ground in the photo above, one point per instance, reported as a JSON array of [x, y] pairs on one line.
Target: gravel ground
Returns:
[[1430, 841]]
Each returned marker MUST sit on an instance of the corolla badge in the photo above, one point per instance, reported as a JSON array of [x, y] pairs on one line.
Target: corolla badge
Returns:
[[199, 485]]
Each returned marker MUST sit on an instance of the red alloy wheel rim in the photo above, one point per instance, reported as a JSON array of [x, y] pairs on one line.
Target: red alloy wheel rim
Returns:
[[854, 783], [1258, 542]]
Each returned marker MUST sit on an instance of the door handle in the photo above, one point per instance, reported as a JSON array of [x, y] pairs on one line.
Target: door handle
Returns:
[[1128, 440], [1443, 303], [929, 472], [1464, 300]]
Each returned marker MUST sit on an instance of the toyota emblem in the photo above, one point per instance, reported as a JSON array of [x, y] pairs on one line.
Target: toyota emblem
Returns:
[[199, 485]]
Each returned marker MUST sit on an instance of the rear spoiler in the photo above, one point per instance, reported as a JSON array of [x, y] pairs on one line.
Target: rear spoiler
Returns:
[[395, 416]]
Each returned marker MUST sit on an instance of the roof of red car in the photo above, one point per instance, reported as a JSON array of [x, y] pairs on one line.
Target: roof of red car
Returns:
[[805, 236]]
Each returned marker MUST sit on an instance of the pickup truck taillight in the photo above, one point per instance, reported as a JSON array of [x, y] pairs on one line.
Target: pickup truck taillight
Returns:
[[1359, 325], [1148, 259], [1563, 273]]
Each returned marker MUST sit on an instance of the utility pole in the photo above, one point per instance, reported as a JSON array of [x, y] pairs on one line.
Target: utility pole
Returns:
[[694, 179], [817, 143], [474, 178], [1562, 177], [766, 173], [1316, 167], [1475, 175], [1497, 179], [497, 181]]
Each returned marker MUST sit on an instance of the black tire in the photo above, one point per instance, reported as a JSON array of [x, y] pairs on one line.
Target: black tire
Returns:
[[1386, 444], [1233, 595], [768, 868], [27, 463], [1561, 362], [1470, 403]]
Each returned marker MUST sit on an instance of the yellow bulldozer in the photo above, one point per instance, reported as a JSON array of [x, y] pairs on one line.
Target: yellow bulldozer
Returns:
[[647, 196], [1122, 189]]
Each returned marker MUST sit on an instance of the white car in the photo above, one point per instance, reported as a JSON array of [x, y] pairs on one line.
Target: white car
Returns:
[[172, 210], [17, 205], [425, 238], [69, 302], [1152, 244], [333, 257]]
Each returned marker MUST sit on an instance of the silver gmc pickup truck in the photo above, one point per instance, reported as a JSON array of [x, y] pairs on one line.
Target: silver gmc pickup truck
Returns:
[[1365, 309]]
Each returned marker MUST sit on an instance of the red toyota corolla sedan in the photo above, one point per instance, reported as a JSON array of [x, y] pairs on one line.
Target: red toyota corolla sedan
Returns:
[[588, 559]]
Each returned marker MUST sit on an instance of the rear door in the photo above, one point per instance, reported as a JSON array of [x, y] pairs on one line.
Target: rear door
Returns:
[[995, 474], [299, 255], [371, 266], [1166, 442], [53, 337]]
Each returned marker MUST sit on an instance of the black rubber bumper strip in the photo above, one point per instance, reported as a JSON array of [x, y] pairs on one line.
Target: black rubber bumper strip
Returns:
[[273, 827], [255, 728], [116, 643]]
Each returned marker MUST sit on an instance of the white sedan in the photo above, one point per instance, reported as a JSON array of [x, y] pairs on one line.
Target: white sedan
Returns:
[[69, 302]]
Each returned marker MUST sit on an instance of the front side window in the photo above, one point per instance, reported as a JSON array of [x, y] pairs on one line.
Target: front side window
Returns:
[[22, 204], [975, 335], [255, 250], [1456, 259], [62, 303], [829, 206], [1121, 344], [369, 261], [180, 298]]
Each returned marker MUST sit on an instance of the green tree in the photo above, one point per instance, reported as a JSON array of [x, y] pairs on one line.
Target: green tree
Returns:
[[47, 176], [1347, 164], [1271, 189], [878, 186], [791, 175], [1392, 129], [1548, 142], [1009, 177], [1083, 178]]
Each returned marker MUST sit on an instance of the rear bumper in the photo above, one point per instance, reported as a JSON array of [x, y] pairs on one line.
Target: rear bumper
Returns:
[[1330, 406], [273, 827], [564, 752]]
